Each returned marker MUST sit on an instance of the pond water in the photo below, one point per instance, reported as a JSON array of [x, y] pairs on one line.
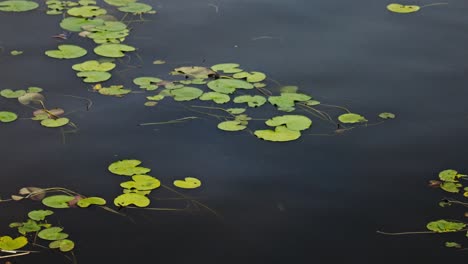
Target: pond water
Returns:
[[318, 199]]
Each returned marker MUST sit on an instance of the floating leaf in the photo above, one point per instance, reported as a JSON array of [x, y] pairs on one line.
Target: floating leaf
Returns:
[[188, 183], [119, 2], [94, 65], [286, 101], [351, 118], [159, 62], [155, 97], [8, 243], [67, 52], [448, 175], [16, 52], [18, 6], [85, 202], [55, 122], [452, 245], [186, 93], [444, 226], [136, 191], [386, 115], [137, 8], [54, 111], [451, 187], [226, 68], [251, 77], [7, 93], [58, 201], [231, 126], [196, 72], [114, 90], [27, 98], [75, 24], [252, 101], [53, 233], [292, 122], [6, 117], [403, 9], [280, 134], [150, 103], [142, 183], [94, 76], [127, 199], [148, 83], [228, 86], [127, 168], [113, 50], [218, 98], [34, 89], [236, 111], [312, 102], [28, 227], [289, 89], [39, 215], [64, 245], [86, 11]]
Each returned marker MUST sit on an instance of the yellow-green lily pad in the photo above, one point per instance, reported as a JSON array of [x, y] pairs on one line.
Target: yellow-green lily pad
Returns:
[[292, 122], [39, 215], [216, 97], [113, 50], [226, 68], [280, 134], [403, 9], [57, 201], [8, 243], [231, 126], [351, 118], [188, 183], [94, 76], [86, 202], [252, 101], [52, 123], [251, 77], [64, 245], [67, 52], [127, 199], [52, 233], [444, 226], [228, 86], [6, 117], [8, 93], [142, 183], [127, 168]]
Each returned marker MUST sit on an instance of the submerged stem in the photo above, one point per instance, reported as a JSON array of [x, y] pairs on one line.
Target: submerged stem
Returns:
[[434, 4]]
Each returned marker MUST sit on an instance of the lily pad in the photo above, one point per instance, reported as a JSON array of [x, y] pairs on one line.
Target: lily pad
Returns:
[[228, 86], [94, 65], [251, 77], [148, 83], [113, 50], [86, 11], [94, 76], [8, 243], [28, 227], [6, 117], [292, 122], [53, 233], [16, 52], [137, 8], [18, 6], [64, 245], [444, 226], [75, 24], [226, 68], [7, 93], [403, 9], [119, 2], [86, 202], [286, 101], [280, 134], [114, 90], [451, 187], [289, 89], [57, 201], [231, 126], [67, 52], [216, 97], [236, 111], [252, 101], [127, 199], [387, 115], [59, 122], [33, 89], [39, 215], [142, 183], [127, 168], [448, 175], [186, 93], [351, 118], [196, 72], [452, 245], [188, 183]]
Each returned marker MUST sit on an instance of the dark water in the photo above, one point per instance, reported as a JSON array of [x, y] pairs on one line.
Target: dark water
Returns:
[[317, 200]]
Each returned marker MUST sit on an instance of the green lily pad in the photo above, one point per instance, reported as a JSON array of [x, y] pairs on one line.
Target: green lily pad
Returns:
[[57, 201], [252, 101], [251, 77], [289, 89], [228, 86], [226, 68], [67, 52], [86, 202], [216, 97], [136, 191], [451, 187], [312, 102], [64, 245], [444, 226], [403, 9], [452, 245], [280, 134], [137, 8], [148, 83], [157, 97], [448, 175], [94, 65], [127, 168], [33, 89], [142, 183], [6, 117], [351, 118], [119, 2], [386, 115], [75, 24], [186, 93], [52, 233], [18, 6], [114, 90], [39, 215], [188, 183], [196, 72], [236, 111], [16, 52], [86, 11], [28, 227], [127, 199], [286, 101], [292, 122], [7, 93], [231, 126], [94, 76], [8, 243], [87, 2], [55, 122], [113, 50]]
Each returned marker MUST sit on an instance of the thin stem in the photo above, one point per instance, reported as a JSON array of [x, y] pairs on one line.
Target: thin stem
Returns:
[[406, 233], [214, 108], [337, 106], [14, 255], [194, 201], [179, 120], [434, 4], [88, 105]]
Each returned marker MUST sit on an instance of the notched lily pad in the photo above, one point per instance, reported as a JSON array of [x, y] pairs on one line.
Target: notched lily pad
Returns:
[[39, 215], [231, 126], [8, 93], [292, 122], [64, 245], [7, 117], [251, 77], [403, 9], [142, 183], [18, 6], [52, 233], [252, 101], [94, 65], [186, 93], [8, 243], [113, 50], [57, 201], [94, 76], [66, 52], [127, 168], [351, 118], [216, 97], [386, 115], [444, 226], [188, 183], [127, 199], [52, 123], [280, 134], [228, 86], [226, 68], [86, 11]]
